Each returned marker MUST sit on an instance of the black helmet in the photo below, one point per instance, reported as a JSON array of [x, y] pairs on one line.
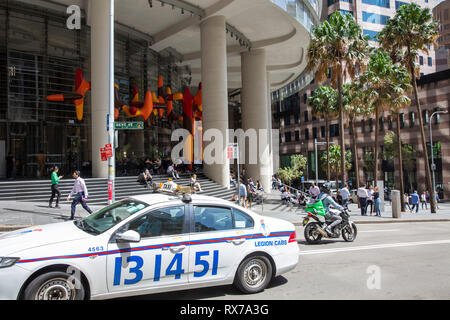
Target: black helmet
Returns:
[[326, 187]]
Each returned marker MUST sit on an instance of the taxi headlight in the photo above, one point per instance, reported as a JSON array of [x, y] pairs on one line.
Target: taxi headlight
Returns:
[[6, 262]]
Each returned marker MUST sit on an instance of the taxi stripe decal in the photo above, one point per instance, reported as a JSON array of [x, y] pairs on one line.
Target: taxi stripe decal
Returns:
[[160, 246]]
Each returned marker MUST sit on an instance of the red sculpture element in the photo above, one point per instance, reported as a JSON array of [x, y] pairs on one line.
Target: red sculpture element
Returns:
[[138, 108], [81, 88]]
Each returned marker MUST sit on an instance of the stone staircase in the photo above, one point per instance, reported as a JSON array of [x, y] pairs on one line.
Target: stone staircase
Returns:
[[39, 190]]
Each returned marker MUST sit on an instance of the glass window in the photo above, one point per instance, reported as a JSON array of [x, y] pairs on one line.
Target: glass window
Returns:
[[212, 219], [375, 18], [372, 34], [430, 61], [398, 4], [109, 216], [297, 135], [322, 131], [160, 222], [242, 220], [314, 133], [287, 137], [306, 134], [421, 60], [402, 120], [306, 116], [412, 119], [379, 3]]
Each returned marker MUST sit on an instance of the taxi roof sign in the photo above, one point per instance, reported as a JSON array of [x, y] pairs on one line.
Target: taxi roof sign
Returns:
[[173, 188]]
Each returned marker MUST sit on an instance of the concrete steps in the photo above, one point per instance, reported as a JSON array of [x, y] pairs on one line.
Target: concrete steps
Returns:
[[40, 190]]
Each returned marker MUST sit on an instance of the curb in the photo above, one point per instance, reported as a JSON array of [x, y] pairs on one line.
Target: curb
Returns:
[[8, 228], [300, 224]]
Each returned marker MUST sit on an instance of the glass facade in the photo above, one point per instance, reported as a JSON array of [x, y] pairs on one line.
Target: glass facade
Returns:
[[300, 11], [372, 34], [42, 56], [374, 18], [378, 3]]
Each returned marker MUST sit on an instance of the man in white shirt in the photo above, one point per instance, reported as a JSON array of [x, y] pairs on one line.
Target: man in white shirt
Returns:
[[81, 194], [345, 194], [363, 195], [314, 190]]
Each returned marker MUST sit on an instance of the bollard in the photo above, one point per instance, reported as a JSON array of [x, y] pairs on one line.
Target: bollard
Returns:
[[396, 204]]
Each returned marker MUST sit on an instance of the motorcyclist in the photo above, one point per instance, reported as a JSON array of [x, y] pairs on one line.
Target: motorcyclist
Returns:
[[327, 200]]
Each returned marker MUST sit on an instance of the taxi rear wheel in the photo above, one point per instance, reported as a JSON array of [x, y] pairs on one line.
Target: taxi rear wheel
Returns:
[[254, 274], [54, 286]]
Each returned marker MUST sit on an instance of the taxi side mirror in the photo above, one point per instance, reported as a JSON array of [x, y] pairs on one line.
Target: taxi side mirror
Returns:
[[128, 236]]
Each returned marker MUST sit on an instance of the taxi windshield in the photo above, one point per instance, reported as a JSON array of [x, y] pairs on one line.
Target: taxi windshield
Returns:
[[109, 216]]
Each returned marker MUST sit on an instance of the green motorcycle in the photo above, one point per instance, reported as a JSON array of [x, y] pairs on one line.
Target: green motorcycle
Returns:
[[316, 222]]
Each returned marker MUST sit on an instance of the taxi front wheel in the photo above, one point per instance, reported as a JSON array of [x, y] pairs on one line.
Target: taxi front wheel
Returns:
[[54, 286], [253, 274]]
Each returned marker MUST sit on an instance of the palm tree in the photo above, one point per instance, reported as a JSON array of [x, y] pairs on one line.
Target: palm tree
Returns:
[[386, 86], [411, 30], [338, 44], [355, 105], [323, 103]]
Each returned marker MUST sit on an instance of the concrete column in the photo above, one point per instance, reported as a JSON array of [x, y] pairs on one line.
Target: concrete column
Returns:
[[255, 113], [100, 38], [215, 95]]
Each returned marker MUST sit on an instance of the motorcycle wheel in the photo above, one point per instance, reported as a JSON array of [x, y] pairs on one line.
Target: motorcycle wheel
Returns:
[[312, 236], [349, 235]]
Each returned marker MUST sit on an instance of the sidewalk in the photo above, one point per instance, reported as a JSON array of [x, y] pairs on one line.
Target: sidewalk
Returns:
[[273, 207], [15, 215]]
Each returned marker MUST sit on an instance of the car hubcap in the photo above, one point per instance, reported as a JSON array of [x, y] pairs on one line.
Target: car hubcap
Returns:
[[56, 289], [255, 273]]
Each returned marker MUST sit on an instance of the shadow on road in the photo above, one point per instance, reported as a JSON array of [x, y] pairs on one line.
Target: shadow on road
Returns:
[[204, 293]]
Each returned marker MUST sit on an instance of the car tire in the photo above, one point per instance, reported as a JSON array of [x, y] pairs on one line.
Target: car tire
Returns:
[[55, 285], [253, 274]]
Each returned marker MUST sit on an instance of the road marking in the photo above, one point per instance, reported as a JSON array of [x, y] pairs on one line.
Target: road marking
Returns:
[[387, 230], [378, 246]]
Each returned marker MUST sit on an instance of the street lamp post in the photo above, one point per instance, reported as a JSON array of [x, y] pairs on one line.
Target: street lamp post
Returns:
[[433, 166]]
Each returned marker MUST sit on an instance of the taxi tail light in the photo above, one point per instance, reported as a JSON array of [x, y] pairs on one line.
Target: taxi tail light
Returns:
[[293, 237]]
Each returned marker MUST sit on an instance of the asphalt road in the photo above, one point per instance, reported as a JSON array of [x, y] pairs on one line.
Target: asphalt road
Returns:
[[387, 261]]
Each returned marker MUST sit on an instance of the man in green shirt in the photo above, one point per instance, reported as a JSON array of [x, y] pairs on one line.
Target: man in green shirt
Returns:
[[55, 189]]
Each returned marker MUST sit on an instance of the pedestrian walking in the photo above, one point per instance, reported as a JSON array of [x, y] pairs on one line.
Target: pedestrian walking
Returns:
[[362, 196], [345, 193], [241, 191], [370, 199], [406, 201], [423, 200], [314, 190], [415, 202], [377, 201], [437, 200], [80, 193], [55, 188]]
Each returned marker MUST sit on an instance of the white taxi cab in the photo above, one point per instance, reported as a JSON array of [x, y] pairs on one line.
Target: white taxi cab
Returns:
[[147, 244]]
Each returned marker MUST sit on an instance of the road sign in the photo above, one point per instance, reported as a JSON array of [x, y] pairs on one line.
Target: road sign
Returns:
[[232, 151], [135, 125], [103, 154], [108, 150]]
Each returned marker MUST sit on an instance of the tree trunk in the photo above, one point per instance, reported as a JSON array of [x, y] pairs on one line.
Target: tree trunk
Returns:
[[355, 152], [400, 164], [424, 142], [377, 129], [341, 128], [327, 137]]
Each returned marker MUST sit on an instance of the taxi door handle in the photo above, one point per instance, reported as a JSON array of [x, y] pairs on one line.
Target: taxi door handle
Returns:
[[175, 248], [236, 241]]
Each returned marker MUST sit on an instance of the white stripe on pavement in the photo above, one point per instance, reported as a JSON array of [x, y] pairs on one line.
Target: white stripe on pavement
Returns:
[[387, 230], [378, 246]]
